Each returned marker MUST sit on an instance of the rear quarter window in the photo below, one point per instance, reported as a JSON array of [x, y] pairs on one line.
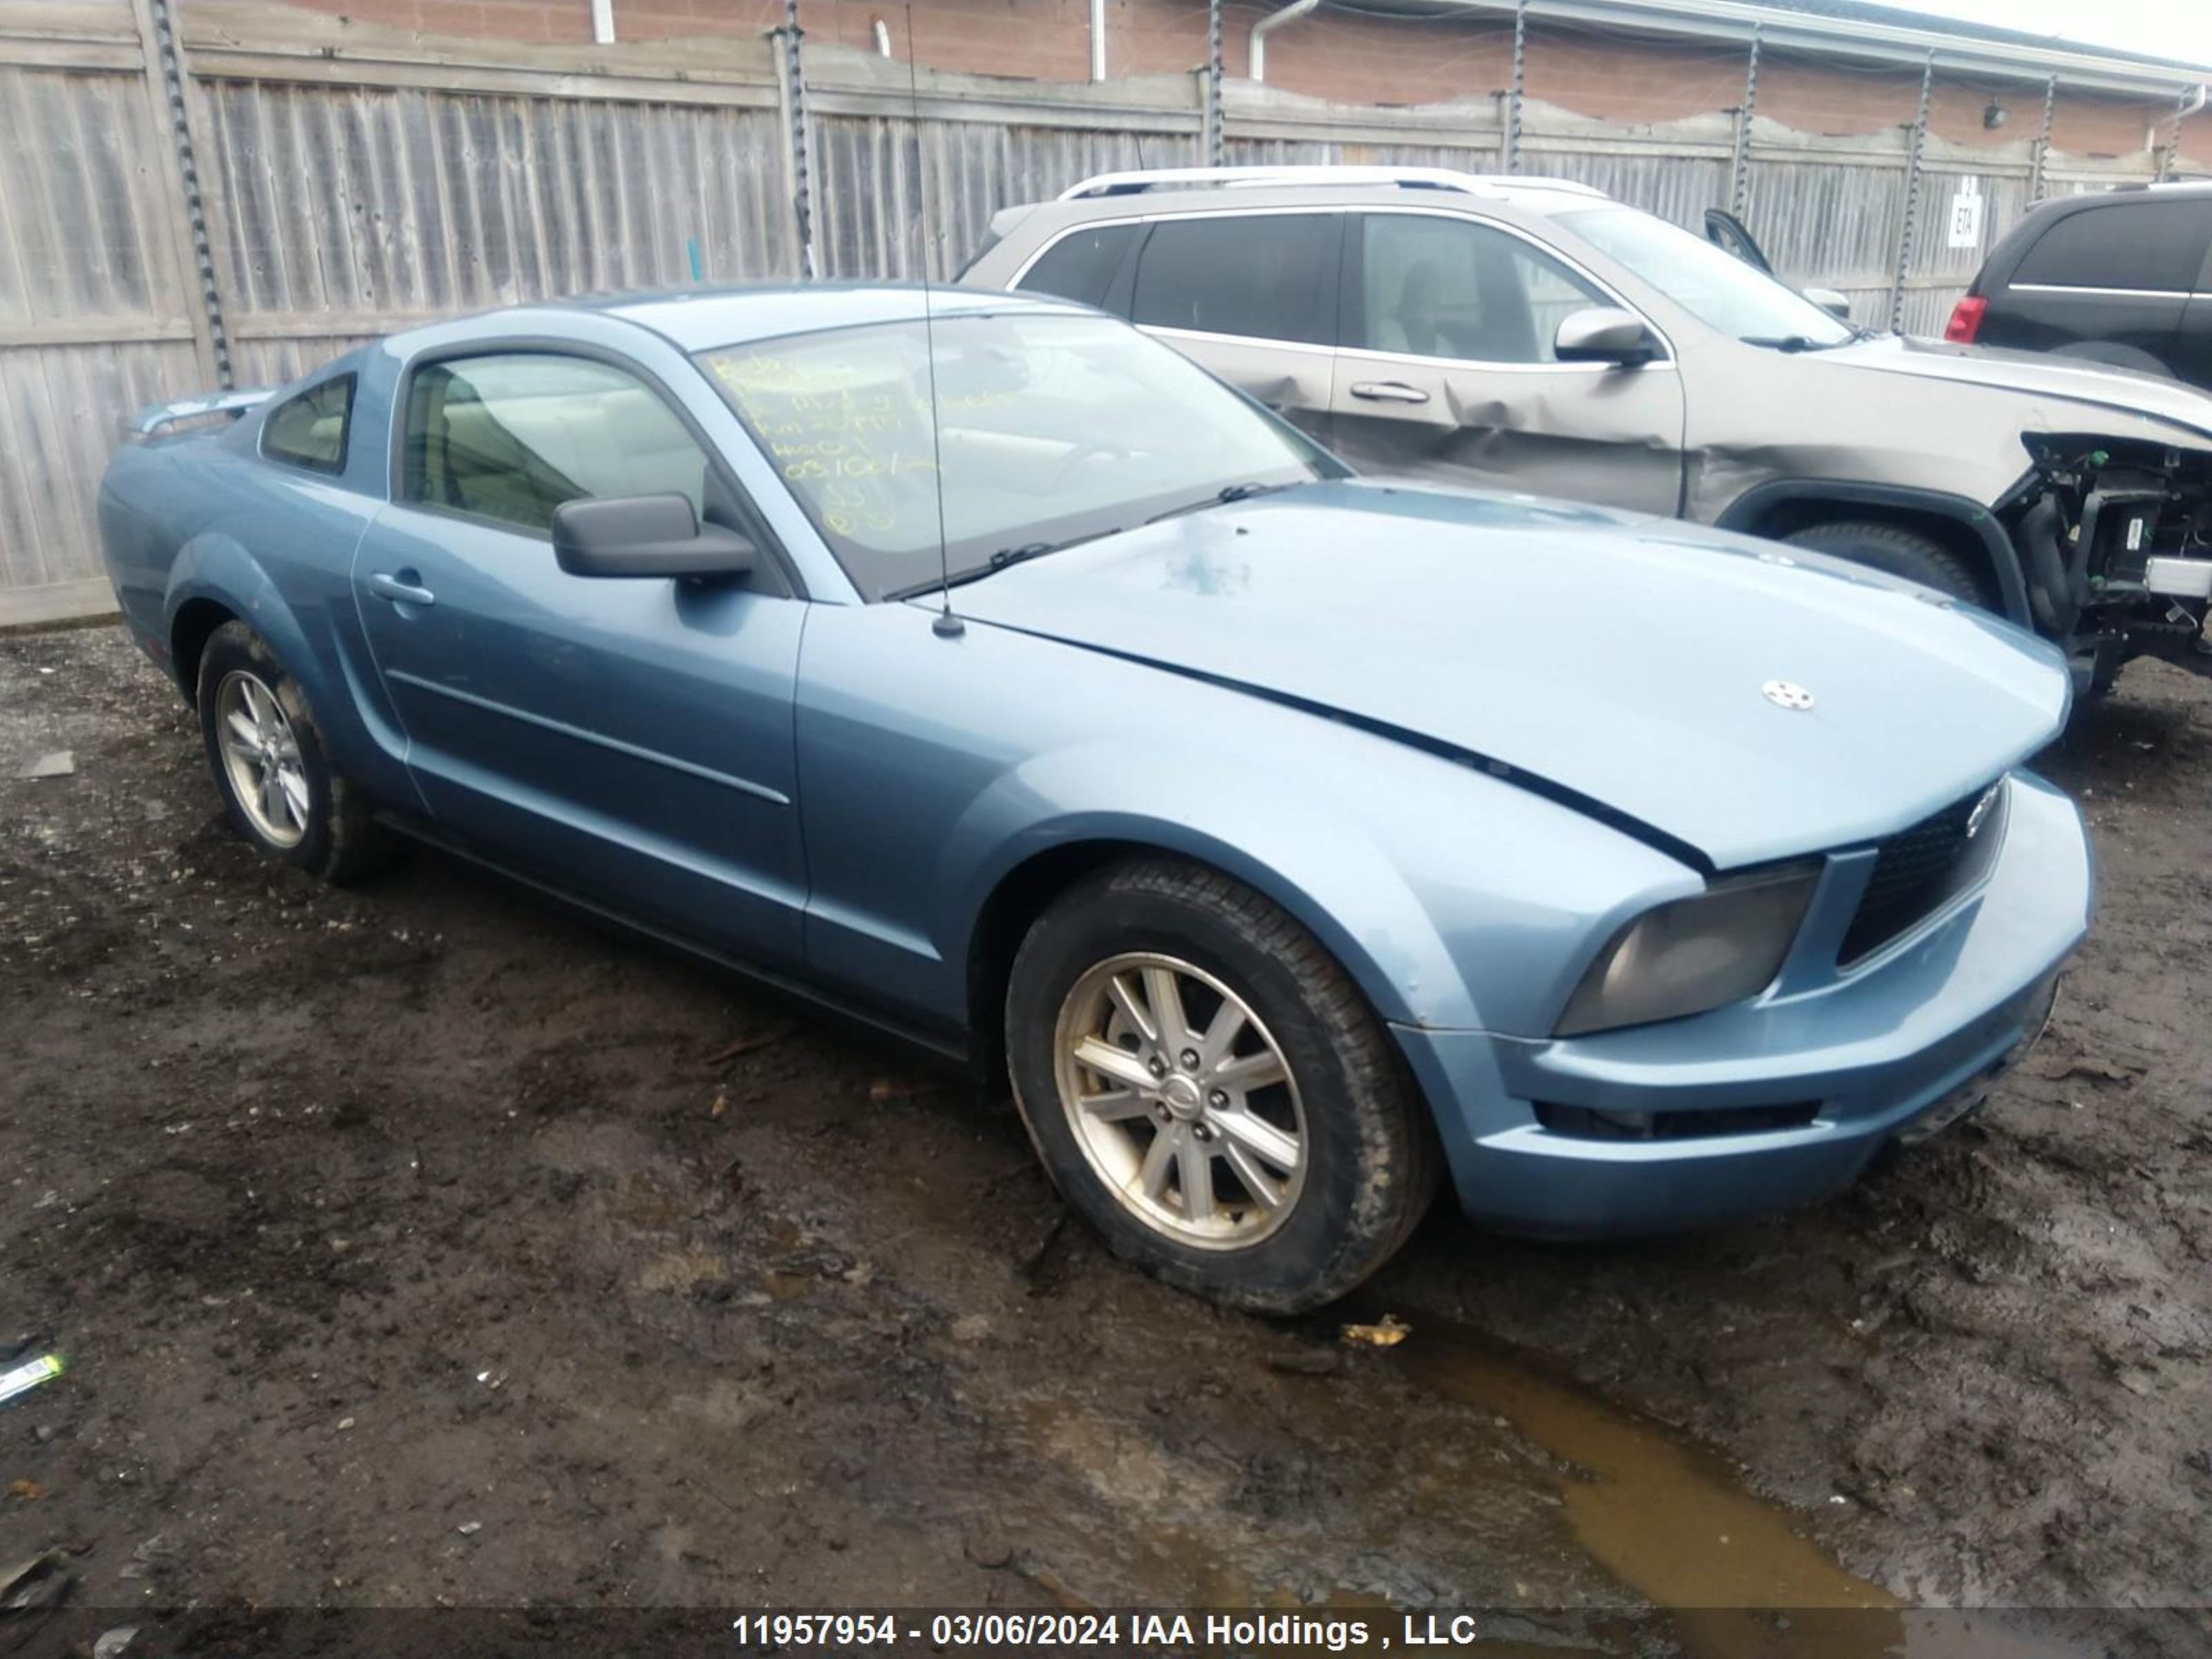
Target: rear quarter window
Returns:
[[2147, 244], [311, 429], [1082, 264]]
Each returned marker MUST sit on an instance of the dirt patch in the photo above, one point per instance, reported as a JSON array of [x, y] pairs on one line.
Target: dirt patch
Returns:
[[422, 1245]]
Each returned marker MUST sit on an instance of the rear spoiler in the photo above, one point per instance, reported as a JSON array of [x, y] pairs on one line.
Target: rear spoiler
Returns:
[[156, 419]]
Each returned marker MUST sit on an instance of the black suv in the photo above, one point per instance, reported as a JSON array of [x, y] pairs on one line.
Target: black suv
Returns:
[[2123, 276]]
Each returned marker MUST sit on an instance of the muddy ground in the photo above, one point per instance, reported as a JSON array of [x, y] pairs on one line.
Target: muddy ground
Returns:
[[411, 1247]]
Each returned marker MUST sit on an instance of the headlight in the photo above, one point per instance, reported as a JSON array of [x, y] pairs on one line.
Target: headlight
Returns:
[[1683, 957]]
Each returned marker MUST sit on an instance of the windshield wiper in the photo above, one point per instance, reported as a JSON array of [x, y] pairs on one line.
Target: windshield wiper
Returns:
[[1027, 550], [1236, 492], [997, 561], [1790, 342]]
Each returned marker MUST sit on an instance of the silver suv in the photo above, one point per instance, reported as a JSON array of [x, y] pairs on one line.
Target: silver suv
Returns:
[[1534, 335]]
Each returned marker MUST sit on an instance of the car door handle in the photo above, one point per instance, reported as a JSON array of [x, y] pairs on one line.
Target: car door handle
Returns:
[[399, 590], [1388, 391]]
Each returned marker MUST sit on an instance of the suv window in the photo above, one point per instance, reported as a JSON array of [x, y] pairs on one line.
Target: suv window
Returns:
[[1265, 276], [1439, 287], [511, 436], [1718, 289], [1081, 264], [2147, 244], [310, 430]]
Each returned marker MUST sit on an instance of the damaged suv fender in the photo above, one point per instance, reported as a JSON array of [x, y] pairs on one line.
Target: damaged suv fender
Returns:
[[1781, 504]]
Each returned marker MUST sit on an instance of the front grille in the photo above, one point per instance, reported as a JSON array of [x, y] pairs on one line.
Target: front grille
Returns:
[[1916, 870]]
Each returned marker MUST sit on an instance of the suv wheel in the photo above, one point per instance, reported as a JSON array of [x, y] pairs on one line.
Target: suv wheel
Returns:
[[1898, 551], [1210, 1089]]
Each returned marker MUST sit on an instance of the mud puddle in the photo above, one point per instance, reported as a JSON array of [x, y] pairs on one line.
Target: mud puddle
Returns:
[[1463, 1445], [1669, 1519]]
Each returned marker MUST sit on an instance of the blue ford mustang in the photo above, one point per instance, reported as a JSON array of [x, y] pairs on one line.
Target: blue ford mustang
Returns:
[[1290, 840]]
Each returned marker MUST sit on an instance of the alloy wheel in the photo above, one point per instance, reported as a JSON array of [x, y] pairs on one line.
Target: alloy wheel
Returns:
[[261, 757], [1182, 1100]]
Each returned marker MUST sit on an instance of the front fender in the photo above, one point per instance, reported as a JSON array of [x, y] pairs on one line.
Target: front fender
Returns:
[[1757, 505], [1325, 868], [1454, 900], [934, 772]]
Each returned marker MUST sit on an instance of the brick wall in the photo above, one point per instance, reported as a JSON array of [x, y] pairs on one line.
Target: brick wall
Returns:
[[1344, 56]]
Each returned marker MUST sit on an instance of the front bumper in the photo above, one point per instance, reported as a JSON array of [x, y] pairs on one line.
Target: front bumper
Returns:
[[1908, 1037]]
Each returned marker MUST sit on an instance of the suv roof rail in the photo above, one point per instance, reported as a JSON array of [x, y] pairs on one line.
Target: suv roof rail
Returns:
[[1470, 183]]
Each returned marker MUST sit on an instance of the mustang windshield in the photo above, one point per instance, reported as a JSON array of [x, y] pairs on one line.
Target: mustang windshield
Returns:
[[1712, 285], [1051, 430]]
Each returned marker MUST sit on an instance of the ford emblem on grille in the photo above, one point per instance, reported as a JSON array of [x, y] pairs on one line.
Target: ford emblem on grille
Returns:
[[1976, 818], [1783, 695]]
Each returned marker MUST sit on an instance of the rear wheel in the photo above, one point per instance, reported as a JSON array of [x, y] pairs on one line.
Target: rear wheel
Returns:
[[1209, 1089], [1897, 550], [266, 751]]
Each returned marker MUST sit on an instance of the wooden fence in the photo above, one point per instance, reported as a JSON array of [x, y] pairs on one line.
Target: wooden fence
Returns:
[[342, 183]]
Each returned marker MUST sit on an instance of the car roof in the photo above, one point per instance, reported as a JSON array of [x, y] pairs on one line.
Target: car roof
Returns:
[[2174, 190], [1180, 188], [703, 319], [2011, 248]]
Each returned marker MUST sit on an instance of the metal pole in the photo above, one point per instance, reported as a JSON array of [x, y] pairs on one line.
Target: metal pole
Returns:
[[170, 69], [2172, 153], [1513, 96], [2043, 141], [1097, 39], [1739, 185], [1912, 197], [1255, 63], [794, 92], [1217, 141]]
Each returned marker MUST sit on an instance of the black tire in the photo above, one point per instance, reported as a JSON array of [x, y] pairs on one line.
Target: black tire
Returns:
[[2104, 674], [1898, 550], [341, 840], [1370, 1153]]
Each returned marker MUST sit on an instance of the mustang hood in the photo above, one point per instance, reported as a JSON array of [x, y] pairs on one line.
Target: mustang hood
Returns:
[[1620, 658], [2043, 376]]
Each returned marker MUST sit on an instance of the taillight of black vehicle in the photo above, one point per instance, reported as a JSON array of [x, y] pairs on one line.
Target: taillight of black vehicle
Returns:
[[1966, 319]]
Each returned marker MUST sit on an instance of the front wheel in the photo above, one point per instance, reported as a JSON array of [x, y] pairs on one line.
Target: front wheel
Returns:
[[1899, 551], [266, 751], [1210, 1089]]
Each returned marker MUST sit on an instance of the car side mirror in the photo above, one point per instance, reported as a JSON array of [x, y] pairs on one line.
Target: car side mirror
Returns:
[[1603, 334], [1836, 305], [645, 536]]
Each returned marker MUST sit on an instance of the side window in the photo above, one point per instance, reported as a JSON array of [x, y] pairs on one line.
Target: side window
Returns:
[[2146, 245], [1438, 287], [511, 436], [1267, 276], [1081, 264], [310, 430]]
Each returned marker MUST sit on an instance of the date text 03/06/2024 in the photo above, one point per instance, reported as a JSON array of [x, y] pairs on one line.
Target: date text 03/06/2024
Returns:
[[1000, 1630]]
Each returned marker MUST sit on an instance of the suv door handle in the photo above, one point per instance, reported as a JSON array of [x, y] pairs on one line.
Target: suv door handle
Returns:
[[1388, 391], [399, 589]]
